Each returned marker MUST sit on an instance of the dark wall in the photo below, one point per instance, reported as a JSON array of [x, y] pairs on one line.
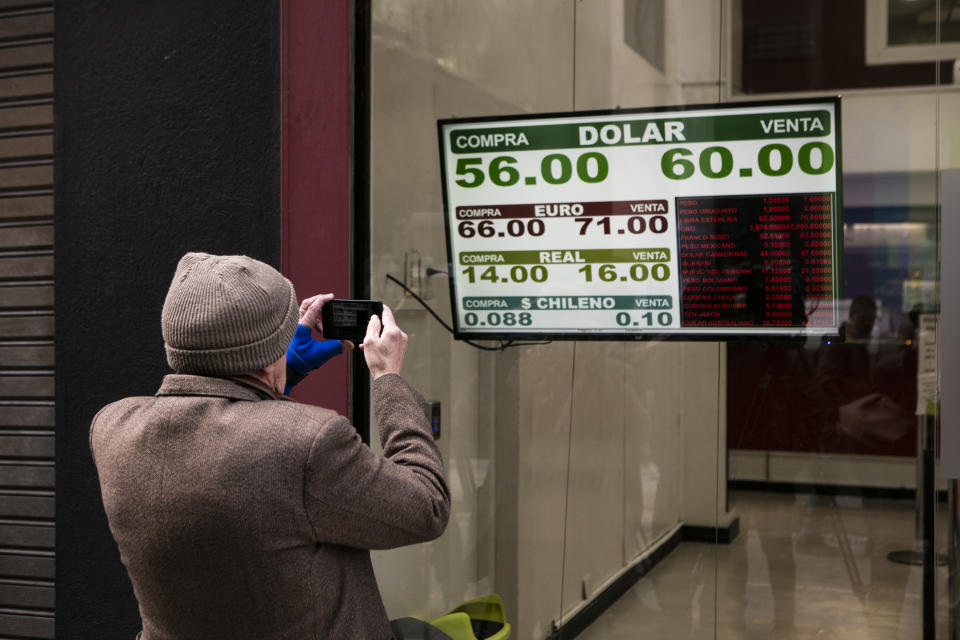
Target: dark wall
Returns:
[[167, 140]]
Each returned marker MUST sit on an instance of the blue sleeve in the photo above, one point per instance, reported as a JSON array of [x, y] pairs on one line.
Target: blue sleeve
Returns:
[[306, 354]]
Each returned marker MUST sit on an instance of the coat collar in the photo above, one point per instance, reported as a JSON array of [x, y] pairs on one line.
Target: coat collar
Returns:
[[236, 388]]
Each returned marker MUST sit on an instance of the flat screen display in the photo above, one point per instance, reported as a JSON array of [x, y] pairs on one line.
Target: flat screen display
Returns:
[[719, 221]]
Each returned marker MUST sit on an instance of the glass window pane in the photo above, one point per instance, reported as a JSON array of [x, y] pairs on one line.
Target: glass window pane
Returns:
[[620, 489]]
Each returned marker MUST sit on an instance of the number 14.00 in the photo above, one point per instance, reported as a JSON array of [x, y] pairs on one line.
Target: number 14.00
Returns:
[[518, 273]]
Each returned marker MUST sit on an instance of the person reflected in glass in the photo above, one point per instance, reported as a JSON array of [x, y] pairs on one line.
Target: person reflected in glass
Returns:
[[843, 365]]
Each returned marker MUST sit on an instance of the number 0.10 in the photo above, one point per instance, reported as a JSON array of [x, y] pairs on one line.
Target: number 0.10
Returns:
[[664, 318]]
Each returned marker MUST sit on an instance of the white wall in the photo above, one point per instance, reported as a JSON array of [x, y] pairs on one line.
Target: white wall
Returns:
[[646, 417], [897, 131], [508, 418], [434, 60], [888, 472]]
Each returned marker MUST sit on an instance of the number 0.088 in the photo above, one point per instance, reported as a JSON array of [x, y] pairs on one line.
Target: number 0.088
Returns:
[[496, 319]]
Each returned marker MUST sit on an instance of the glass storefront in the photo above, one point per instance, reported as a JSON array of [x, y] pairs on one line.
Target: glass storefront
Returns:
[[679, 488]]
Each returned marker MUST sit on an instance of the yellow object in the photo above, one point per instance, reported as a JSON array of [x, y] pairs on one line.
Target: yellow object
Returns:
[[483, 614]]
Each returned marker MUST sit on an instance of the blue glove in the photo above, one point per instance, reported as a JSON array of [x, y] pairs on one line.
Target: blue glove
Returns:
[[306, 354]]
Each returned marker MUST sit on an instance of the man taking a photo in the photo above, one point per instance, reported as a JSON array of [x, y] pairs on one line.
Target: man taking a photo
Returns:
[[240, 513]]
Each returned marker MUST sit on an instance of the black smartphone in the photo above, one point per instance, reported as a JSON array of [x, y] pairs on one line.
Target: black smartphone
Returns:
[[348, 319]]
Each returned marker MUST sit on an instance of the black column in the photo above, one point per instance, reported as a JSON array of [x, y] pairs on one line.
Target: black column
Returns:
[[167, 140]]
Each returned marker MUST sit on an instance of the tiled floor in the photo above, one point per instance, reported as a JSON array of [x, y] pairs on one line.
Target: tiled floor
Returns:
[[803, 567]]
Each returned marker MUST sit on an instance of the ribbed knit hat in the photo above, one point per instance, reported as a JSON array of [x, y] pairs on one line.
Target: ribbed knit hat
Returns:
[[224, 315]]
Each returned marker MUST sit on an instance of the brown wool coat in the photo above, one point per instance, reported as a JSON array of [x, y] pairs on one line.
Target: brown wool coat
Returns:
[[241, 516]]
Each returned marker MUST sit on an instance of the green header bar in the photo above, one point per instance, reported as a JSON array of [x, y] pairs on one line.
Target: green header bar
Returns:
[[563, 256], [565, 303], [810, 123]]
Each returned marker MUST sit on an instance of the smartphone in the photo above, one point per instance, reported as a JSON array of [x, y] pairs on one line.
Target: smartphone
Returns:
[[348, 319]]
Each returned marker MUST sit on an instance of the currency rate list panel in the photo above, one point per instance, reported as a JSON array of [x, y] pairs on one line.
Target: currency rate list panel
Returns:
[[757, 261], [566, 266], [661, 221]]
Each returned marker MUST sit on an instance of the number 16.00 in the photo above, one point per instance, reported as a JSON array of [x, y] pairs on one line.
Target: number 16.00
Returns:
[[638, 272]]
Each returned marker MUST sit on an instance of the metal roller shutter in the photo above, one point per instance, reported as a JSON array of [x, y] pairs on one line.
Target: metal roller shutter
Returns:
[[26, 321]]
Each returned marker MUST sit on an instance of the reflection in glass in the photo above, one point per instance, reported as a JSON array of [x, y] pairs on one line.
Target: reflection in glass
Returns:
[[573, 465], [915, 21]]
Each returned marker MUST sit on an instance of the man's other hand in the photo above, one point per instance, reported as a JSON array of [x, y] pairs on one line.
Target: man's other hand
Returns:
[[384, 345]]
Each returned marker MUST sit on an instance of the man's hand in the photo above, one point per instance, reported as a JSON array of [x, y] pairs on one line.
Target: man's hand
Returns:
[[384, 345], [310, 316], [308, 350], [310, 311]]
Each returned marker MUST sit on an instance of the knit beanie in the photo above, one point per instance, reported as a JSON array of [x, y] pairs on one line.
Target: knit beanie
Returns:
[[224, 315]]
